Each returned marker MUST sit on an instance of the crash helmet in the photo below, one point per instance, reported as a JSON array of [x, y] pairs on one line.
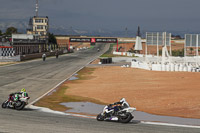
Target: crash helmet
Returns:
[[23, 90], [123, 100]]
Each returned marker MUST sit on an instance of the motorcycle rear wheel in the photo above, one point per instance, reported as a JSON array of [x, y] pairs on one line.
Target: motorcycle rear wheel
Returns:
[[19, 105], [100, 117], [127, 118]]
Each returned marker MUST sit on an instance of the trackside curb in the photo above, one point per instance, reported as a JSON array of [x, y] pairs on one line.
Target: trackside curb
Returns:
[[47, 110]]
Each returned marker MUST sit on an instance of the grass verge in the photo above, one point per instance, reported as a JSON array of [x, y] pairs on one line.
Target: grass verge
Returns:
[[7, 63], [54, 99], [110, 54]]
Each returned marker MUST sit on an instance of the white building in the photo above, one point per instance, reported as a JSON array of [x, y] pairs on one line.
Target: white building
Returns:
[[39, 26]]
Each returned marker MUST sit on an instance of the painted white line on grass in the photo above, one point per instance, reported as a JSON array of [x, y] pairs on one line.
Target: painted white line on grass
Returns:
[[59, 83]]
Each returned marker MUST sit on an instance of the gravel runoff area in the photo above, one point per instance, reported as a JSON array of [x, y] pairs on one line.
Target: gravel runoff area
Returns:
[[154, 92], [161, 93]]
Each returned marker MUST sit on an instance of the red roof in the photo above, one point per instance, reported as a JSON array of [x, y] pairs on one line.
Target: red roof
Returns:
[[6, 47]]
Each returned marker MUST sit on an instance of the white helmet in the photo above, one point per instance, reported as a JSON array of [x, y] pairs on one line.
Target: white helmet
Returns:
[[123, 100], [124, 103]]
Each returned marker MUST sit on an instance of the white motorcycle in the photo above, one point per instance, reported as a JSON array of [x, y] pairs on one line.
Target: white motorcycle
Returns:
[[18, 105], [116, 113]]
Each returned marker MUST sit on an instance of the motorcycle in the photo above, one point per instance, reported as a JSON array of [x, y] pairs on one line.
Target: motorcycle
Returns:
[[18, 105], [117, 113]]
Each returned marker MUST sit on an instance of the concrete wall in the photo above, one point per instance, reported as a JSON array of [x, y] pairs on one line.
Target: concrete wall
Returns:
[[9, 59], [38, 55], [22, 36]]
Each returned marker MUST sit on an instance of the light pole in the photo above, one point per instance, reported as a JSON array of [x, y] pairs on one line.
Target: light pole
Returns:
[[126, 29], [126, 36]]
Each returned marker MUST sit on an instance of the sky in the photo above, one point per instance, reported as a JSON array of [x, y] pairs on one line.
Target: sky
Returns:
[[161, 15]]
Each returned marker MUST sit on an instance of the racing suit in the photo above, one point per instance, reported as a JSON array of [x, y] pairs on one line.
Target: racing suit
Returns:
[[15, 96], [117, 106]]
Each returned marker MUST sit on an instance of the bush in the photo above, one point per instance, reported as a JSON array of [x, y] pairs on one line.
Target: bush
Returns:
[[109, 52], [175, 52], [178, 52]]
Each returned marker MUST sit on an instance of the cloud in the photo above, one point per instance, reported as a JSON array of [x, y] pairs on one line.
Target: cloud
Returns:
[[109, 14]]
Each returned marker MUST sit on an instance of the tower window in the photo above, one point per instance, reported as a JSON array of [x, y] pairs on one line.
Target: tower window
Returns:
[[39, 26], [38, 20]]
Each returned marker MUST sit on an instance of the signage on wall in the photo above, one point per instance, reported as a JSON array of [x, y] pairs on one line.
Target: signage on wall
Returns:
[[80, 40], [106, 40], [94, 40]]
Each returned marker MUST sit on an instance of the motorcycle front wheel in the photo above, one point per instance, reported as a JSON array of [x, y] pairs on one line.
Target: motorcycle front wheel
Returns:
[[20, 105], [4, 104], [127, 118], [100, 117]]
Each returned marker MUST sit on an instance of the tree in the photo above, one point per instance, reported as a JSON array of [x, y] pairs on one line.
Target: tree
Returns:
[[178, 52], [191, 49], [52, 38], [176, 36], [11, 30], [0, 33]]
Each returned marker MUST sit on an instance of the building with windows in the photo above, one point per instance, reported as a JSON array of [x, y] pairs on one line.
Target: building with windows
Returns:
[[39, 26], [27, 44]]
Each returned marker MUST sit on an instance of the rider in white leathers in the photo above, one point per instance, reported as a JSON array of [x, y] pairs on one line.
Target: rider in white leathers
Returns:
[[117, 106], [124, 103]]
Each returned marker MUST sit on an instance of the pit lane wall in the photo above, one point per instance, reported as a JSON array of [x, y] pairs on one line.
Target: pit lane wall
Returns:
[[154, 63], [38, 55], [27, 56], [176, 64]]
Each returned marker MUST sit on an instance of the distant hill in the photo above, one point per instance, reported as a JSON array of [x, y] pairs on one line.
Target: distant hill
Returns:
[[22, 25]]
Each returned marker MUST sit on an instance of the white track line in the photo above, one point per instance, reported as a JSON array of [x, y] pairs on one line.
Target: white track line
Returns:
[[85, 116], [59, 84], [43, 109], [30, 105], [169, 124]]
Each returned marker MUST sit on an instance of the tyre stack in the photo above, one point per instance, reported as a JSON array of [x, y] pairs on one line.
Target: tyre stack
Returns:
[[106, 60], [7, 52]]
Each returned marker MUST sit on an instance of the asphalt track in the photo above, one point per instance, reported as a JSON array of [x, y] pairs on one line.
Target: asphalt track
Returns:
[[38, 77]]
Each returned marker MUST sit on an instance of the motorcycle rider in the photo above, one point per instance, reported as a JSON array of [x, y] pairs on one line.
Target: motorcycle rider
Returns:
[[118, 106], [15, 96], [123, 103], [44, 57], [56, 54]]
